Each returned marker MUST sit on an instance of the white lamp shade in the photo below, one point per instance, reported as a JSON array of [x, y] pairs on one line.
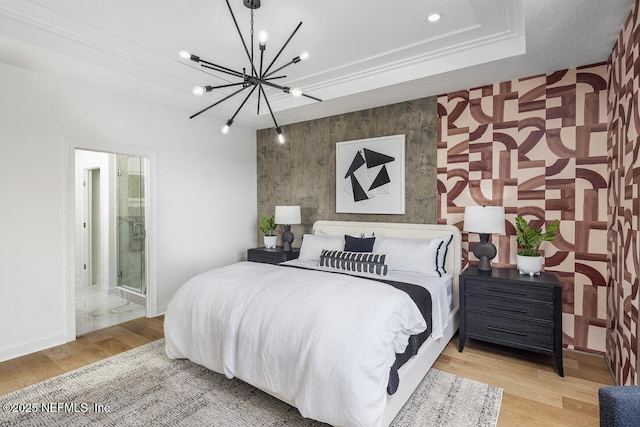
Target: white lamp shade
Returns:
[[287, 215], [484, 219]]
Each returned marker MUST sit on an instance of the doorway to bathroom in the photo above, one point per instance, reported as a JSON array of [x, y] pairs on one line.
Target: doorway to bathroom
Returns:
[[111, 239]]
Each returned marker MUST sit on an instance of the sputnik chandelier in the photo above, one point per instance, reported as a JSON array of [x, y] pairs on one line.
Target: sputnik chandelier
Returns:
[[254, 79]]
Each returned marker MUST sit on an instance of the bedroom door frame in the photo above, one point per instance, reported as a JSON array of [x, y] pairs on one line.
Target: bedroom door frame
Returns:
[[70, 221]]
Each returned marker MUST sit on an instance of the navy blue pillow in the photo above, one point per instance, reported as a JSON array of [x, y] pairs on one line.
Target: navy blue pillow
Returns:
[[358, 244]]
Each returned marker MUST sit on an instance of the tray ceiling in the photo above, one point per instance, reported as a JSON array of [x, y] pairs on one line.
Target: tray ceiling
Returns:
[[363, 54]]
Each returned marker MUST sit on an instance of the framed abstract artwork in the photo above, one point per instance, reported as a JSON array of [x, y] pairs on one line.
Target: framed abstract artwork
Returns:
[[370, 175]]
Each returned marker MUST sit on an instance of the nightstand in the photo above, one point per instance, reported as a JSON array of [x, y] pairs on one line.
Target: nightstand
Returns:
[[272, 256], [516, 310]]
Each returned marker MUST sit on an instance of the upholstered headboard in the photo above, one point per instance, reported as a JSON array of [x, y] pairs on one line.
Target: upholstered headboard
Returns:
[[453, 262]]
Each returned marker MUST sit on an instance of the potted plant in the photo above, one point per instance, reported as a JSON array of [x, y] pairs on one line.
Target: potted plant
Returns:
[[268, 228], [529, 260]]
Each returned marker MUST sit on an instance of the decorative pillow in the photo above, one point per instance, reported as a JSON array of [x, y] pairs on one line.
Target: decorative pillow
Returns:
[[363, 235], [312, 245], [358, 244], [354, 262], [410, 254], [442, 254]]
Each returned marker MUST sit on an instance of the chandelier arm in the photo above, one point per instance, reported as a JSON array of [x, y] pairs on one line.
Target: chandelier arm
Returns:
[[278, 69], [283, 46], [241, 38], [227, 85], [255, 81], [258, 110], [208, 73], [243, 102], [269, 106], [312, 97], [274, 78], [286, 89], [222, 69], [216, 103], [261, 59]]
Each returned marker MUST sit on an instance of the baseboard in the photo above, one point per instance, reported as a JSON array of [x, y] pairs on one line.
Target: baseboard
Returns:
[[613, 375], [31, 346], [161, 310]]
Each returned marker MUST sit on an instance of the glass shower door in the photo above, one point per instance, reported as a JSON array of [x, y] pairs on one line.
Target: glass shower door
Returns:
[[130, 224]]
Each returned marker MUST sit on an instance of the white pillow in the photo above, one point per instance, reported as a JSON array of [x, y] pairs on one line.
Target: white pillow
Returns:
[[410, 254], [312, 245]]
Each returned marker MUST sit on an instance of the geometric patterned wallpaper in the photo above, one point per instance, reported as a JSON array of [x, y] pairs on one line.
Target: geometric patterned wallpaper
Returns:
[[624, 205], [538, 147]]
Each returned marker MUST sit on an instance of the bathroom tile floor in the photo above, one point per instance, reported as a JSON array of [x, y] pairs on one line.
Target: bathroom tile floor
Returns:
[[97, 310]]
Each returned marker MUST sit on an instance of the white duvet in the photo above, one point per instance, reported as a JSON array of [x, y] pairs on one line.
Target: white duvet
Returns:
[[321, 341]]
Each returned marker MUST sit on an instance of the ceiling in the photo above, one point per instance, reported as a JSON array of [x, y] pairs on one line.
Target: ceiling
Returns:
[[363, 54]]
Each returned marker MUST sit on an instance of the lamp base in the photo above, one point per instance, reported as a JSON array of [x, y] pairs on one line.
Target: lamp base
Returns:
[[485, 251], [287, 238], [484, 264]]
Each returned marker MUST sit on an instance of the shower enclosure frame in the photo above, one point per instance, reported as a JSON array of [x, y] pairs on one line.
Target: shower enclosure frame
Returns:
[[130, 224]]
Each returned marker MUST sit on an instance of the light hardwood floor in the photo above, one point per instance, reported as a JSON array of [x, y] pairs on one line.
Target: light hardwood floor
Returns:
[[534, 395]]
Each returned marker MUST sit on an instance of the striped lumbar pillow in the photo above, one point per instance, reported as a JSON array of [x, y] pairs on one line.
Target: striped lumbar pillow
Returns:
[[354, 262]]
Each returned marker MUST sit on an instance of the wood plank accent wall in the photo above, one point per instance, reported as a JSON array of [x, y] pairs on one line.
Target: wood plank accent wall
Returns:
[[302, 171]]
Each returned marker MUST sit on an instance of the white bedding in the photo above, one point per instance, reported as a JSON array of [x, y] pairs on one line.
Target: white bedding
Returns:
[[322, 341], [440, 289]]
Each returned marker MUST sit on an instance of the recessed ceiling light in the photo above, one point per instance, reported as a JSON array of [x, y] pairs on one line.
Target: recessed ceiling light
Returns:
[[434, 17]]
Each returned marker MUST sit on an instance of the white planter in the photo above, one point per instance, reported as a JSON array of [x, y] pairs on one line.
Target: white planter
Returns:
[[531, 265], [270, 241]]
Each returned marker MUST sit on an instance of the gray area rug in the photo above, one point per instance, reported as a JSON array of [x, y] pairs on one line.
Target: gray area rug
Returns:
[[142, 387]]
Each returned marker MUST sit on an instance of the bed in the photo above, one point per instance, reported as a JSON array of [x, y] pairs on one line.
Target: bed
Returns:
[[267, 332]]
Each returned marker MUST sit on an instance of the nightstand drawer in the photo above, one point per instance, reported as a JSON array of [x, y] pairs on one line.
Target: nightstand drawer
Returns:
[[505, 290], [499, 329], [510, 306], [269, 258], [272, 255]]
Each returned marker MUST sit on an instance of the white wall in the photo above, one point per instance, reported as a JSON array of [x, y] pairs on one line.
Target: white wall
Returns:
[[94, 160], [204, 185]]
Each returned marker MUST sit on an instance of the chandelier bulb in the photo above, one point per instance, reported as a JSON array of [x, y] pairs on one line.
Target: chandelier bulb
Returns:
[[184, 54], [227, 127], [280, 135], [297, 92], [198, 90], [263, 37], [304, 55]]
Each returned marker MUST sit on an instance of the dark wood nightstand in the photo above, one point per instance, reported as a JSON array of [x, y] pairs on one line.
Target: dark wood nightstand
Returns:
[[272, 256], [516, 310]]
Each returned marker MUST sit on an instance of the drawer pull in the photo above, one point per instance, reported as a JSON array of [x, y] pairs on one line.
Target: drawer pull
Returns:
[[499, 307], [507, 291], [493, 328]]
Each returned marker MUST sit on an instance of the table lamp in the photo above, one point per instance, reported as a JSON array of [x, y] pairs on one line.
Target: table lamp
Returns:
[[287, 215], [484, 220]]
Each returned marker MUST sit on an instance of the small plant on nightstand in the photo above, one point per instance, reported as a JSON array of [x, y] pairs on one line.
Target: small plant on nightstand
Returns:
[[529, 260], [268, 228]]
